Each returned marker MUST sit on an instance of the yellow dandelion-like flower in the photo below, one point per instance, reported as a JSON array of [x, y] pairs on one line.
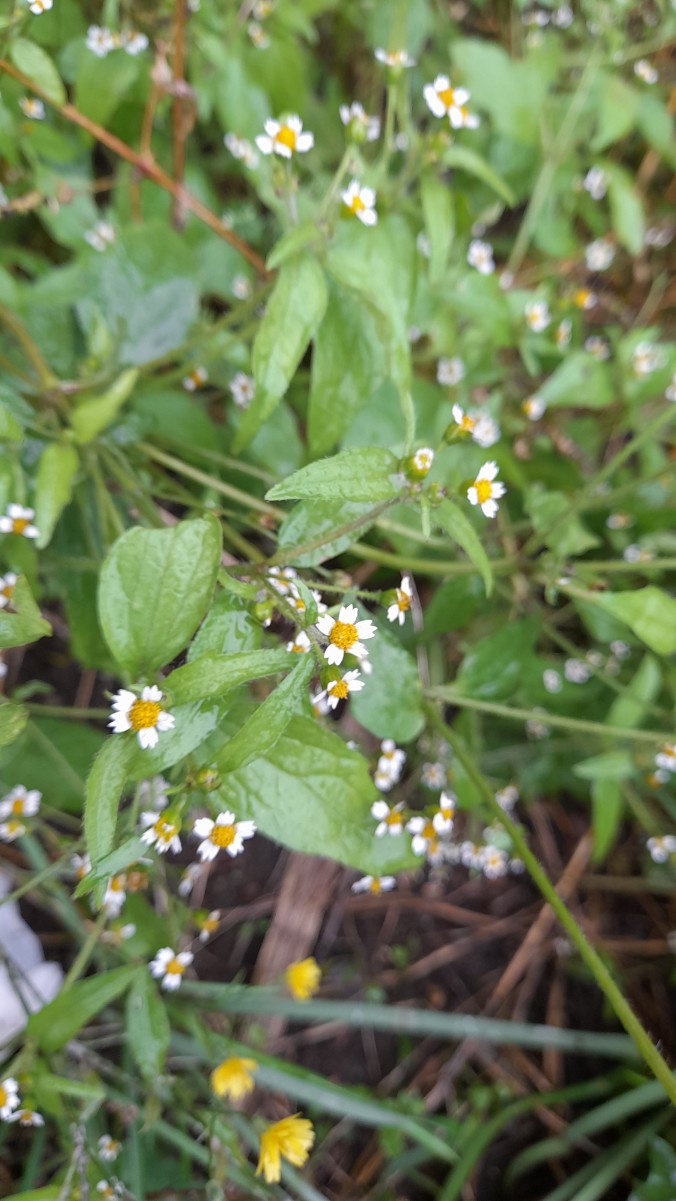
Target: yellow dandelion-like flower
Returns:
[[232, 1078], [302, 978], [289, 1139]]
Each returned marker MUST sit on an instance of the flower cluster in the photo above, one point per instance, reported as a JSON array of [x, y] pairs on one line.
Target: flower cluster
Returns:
[[101, 41], [18, 805]]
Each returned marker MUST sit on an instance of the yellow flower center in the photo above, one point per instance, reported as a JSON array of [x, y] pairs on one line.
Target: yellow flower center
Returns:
[[286, 137], [446, 97], [19, 524], [17, 806], [483, 490], [222, 836], [7, 591], [403, 602], [14, 826], [3, 1096], [581, 297], [144, 714], [374, 887], [464, 113], [298, 650], [164, 830], [466, 423], [356, 204], [174, 968], [343, 635], [393, 819], [116, 884], [339, 689]]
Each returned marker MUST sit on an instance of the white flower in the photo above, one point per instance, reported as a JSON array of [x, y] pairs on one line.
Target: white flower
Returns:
[[392, 758], [619, 521], [450, 372], [242, 388], [9, 1097], [645, 71], [661, 848], [659, 236], [646, 359], [345, 634], [575, 671], [360, 126], [133, 43], [637, 554], [110, 1192], [461, 118], [563, 331], [285, 138], [20, 803], [507, 797], [537, 315], [666, 757], [400, 606], [258, 35], [374, 884], [11, 830], [154, 793], [32, 108], [425, 833], [27, 1117], [562, 16], [421, 461], [195, 378], [395, 59], [383, 779], [339, 690], [301, 644], [241, 149], [108, 1148], [598, 255], [102, 235], [189, 879], [279, 578], [99, 41], [670, 393], [480, 255], [360, 201], [433, 775], [209, 925], [596, 183], [440, 97], [115, 895], [169, 967], [389, 818], [552, 680], [160, 833], [241, 287], [534, 407], [494, 862], [620, 648], [80, 864], [225, 833], [486, 431], [18, 520], [40, 6], [144, 715], [442, 820], [486, 490], [118, 934], [598, 348]]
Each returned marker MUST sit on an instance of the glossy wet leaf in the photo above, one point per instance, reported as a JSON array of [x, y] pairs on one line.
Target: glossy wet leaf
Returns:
[[367, 473]]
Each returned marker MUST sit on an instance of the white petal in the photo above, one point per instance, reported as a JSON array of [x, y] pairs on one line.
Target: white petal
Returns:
[[380, 809], [348, 614], [265, 144], [165, 721], [393, 612], [148, 738], [203, 827], [225, 818], [334, 655], [123, 700], [365, 629], [304, 142], [119, 722], [172, 981], [488, 471], [489, 508], [207, 850], [281, 149], [368, 217], [472, 496], [325, 624], [152, 693]]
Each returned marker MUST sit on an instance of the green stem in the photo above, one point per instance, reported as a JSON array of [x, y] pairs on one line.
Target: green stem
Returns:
[[86, 950], [31, 351], [590, 957], [433, 567], [289, 553], [208, 481], [451, 697]]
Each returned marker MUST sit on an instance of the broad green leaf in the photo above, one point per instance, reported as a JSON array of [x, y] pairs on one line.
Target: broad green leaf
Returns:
[[468, 160], [366, 473], [53, 487], [630, 709], [34, 62], [649, 612], [92, 416], [10, 430], [213, 675], [607, 810], [450, 518], [292, 315], [616, 112], [26, 624], [123, 856], [196, 723], [611, 765], [348, 365], [492, 669], [580, 380], [102, 83], [13, 720], [264, 728], [659, 1186], [228, 626], [154, 589], [51, 1192], [512, 90], [389, 705], [439, 215], [105, 785], [315, 524], [148, 1030], [570, 537], [626, 209], [297, 239], [454, 604], [311, 793], [59, 1021]]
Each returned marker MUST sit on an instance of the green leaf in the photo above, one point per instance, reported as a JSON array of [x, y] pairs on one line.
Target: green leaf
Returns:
[[112, 864], [439, 215], [293, 313], [26, 624], [263, 729], [629, 710], [580, 380], [53, 487], [649, 612], [389, 705], [59, 1021], [318, 522], [616, 113], [10, 430], [366, 473], [154, 589], [569, 537], [611, 765], [38, 66], [607, 810], [13, 719], [92, 416], [297, 239], [57, 755], [102, 83], [228, 626], [493, 668], [196, 723], [311, 793], [626, 209], [213, 675], [468, 160], [50, 1192], [348, 364], [105, 785], [148, 1030], [659, 1185], [450, 518]]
